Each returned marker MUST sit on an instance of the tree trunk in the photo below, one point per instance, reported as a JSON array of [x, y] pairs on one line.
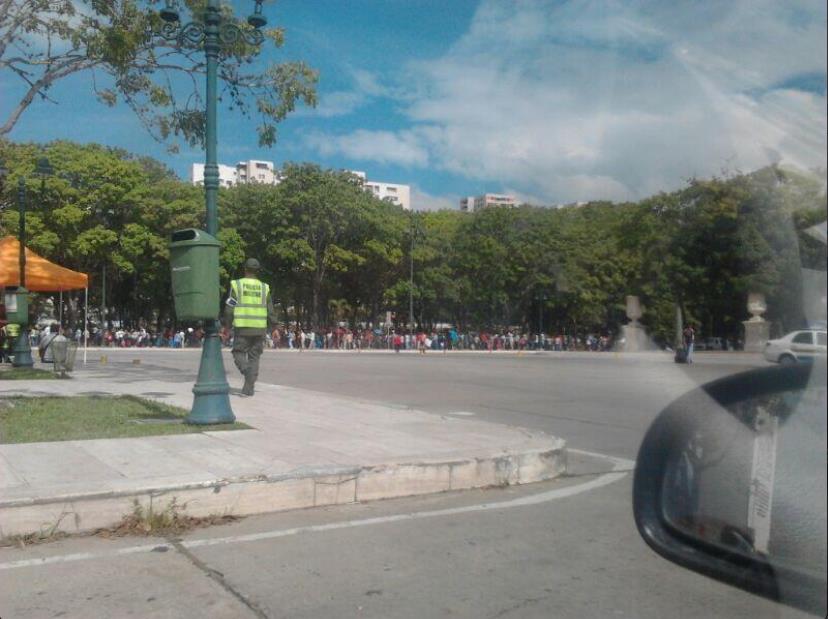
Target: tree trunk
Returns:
[[315, 294]]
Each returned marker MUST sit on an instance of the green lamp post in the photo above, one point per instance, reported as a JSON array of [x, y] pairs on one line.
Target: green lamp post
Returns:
[[22, 348], [211, 403]]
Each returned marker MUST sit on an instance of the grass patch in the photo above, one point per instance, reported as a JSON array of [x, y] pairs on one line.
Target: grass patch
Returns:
[[162, 520], [158, 520], [47, 533], [28, 374], [33, 420]]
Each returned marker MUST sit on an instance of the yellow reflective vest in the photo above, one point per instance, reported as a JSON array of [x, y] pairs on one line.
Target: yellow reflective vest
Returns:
[[250, 311]]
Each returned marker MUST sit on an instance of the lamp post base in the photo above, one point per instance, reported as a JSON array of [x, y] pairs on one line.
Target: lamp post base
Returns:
[[212, 402], [22, 351]]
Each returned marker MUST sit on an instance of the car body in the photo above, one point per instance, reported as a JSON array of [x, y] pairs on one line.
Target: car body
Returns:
[[796, 347], [712, 343], [730, 482]]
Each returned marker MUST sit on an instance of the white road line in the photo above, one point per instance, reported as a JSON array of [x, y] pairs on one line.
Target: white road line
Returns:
[[620, 468], [618, 464]]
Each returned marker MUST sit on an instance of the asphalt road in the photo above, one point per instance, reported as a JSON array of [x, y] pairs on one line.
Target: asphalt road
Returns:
[[572, 552]]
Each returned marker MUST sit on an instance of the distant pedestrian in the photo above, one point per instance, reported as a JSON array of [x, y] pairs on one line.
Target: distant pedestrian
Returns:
[[44, 348], [689, 337]]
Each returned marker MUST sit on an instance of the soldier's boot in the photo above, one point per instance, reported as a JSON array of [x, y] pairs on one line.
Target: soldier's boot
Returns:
[[247, 389]]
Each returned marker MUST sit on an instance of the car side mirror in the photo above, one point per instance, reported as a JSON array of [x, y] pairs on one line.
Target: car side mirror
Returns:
[[730, 482]]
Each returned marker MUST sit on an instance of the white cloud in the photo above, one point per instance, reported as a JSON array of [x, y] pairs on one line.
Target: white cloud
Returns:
[[366, 88], [403, 148], [367, 83], [424, 201], [338, 103], [587, 99]]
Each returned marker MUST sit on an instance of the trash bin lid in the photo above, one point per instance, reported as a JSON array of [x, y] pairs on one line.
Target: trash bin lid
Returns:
[[192, 236]]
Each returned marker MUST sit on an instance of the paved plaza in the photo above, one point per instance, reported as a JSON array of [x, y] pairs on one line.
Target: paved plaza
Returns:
[[566, 547]]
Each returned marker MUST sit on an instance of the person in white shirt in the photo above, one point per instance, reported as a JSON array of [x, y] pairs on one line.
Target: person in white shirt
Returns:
[[44, 348]]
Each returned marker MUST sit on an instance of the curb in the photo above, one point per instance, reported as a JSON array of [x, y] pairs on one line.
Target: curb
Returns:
[[302, 488]]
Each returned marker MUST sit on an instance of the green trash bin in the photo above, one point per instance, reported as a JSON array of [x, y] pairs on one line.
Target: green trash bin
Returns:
[[194, 260], [17, 305]]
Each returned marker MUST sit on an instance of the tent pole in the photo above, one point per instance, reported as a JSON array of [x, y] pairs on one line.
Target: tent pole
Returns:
[[85, 322], [60, 311]]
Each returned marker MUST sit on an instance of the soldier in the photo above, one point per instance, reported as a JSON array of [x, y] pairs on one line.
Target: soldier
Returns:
[[249, 310]]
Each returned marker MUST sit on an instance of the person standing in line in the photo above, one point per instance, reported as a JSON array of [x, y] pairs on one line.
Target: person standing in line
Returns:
[[689, 336], [3, 323], [45, 346], [421, 342], [249, 310], [12, 333], [300, 338]]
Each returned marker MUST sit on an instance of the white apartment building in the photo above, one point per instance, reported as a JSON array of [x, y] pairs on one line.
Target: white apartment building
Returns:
[[254, 171], [398, 194], [487, 200], [251, 171], [394, 192], [227, 175]]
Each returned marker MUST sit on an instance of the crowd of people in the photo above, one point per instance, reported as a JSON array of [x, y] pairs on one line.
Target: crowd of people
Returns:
[[423, 340], [337, 338], [169, 337]]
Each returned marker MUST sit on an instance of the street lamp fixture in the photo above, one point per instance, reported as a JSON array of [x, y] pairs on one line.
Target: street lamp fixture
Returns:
[[257, 20], [43, 168], [211, 403], [169, 13]]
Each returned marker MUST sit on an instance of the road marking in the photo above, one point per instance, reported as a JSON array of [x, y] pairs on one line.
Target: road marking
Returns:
[[620, 468], [462, 414]]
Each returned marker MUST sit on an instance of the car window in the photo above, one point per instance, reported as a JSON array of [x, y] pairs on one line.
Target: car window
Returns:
[[473, 219], [803, 338]]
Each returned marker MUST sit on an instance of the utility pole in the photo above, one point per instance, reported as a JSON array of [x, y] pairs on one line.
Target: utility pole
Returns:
[[541, 301], [411, 277], [103, 298]]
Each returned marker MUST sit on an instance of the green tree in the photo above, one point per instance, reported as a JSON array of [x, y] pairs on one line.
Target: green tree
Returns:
[[45, 41], [100, 211], [329, 212]]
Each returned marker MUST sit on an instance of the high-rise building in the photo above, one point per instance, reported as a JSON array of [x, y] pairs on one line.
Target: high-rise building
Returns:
[[264, 172], [251, 171], [487, 200], [393, 192], [227, 175]]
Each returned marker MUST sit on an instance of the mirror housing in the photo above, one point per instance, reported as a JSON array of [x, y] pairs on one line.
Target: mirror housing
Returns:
[[715, 538]]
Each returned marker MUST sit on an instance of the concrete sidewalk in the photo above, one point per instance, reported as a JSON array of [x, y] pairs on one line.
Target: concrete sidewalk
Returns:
[[307, 449]]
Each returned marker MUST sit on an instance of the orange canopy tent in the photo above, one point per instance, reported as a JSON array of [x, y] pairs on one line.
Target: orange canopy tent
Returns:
[[41, 275]]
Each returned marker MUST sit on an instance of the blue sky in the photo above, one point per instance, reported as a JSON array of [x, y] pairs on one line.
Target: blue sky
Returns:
[[553, 101]]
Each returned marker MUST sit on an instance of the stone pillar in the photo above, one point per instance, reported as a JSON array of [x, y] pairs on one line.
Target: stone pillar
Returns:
[[635, 338], [757, 330]]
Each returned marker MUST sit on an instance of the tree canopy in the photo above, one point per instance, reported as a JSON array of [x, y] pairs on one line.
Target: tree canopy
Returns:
[[334, 252], [45, 41]]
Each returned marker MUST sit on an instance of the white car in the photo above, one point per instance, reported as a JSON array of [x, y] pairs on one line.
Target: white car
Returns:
[[796, 347]]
